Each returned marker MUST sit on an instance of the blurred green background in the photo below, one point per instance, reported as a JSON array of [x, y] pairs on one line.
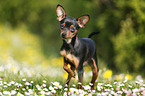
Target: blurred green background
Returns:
[[29, 31]]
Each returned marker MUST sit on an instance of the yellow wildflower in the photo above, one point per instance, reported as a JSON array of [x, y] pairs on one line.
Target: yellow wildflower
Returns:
[[128, 77], [65, 75], [68, 66], [107, 74]]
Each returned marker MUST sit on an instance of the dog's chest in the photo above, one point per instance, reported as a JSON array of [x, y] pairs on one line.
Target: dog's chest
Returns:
[[73, 59]]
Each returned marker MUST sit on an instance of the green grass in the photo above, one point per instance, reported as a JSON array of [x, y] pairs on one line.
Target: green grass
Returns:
[[19, 79]]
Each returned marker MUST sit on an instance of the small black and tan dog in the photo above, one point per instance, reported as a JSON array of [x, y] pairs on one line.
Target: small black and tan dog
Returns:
[[76, 51]]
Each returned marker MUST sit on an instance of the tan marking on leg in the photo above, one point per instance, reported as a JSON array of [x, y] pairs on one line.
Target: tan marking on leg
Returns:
[[68, 70], [95, 73], [69, 76]]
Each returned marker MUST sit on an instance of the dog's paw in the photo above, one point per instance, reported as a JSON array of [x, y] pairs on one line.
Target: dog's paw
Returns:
[[73, 74]]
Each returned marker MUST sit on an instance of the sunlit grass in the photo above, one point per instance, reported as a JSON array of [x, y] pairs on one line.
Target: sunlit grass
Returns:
[[16, 79], [23, 46]]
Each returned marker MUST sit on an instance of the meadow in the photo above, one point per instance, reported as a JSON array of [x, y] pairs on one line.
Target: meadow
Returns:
[[25, 71], [22, 80]]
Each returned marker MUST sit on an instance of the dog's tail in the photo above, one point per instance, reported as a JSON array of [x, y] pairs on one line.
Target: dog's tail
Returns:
[[93, 33]]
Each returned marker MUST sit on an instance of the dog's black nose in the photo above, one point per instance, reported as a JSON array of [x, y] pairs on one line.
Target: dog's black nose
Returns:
[[63, 35]]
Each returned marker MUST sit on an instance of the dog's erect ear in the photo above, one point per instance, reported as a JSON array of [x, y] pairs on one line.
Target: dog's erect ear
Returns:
[[82, 21], [61, 14]]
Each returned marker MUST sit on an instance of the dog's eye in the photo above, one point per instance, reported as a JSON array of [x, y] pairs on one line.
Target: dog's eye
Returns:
[[61, 27], [72, 29]]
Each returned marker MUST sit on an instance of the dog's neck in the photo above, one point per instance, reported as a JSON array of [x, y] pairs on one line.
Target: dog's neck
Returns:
[[72, 42]]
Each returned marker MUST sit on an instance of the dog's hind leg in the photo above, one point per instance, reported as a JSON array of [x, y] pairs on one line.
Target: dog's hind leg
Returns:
[[93, 64]]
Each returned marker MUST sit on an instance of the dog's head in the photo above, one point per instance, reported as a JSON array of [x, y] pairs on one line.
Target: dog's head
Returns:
[[69, 26]]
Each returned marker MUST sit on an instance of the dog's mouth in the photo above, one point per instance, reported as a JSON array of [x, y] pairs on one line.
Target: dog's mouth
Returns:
[[68, 40]]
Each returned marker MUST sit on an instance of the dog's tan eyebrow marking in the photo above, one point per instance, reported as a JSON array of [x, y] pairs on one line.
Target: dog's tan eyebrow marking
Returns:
[[71, 26], [63, 24]]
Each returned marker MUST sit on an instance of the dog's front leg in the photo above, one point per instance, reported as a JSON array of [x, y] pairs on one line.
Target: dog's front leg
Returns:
[[69, 75], [68, 70], [80, 75]]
